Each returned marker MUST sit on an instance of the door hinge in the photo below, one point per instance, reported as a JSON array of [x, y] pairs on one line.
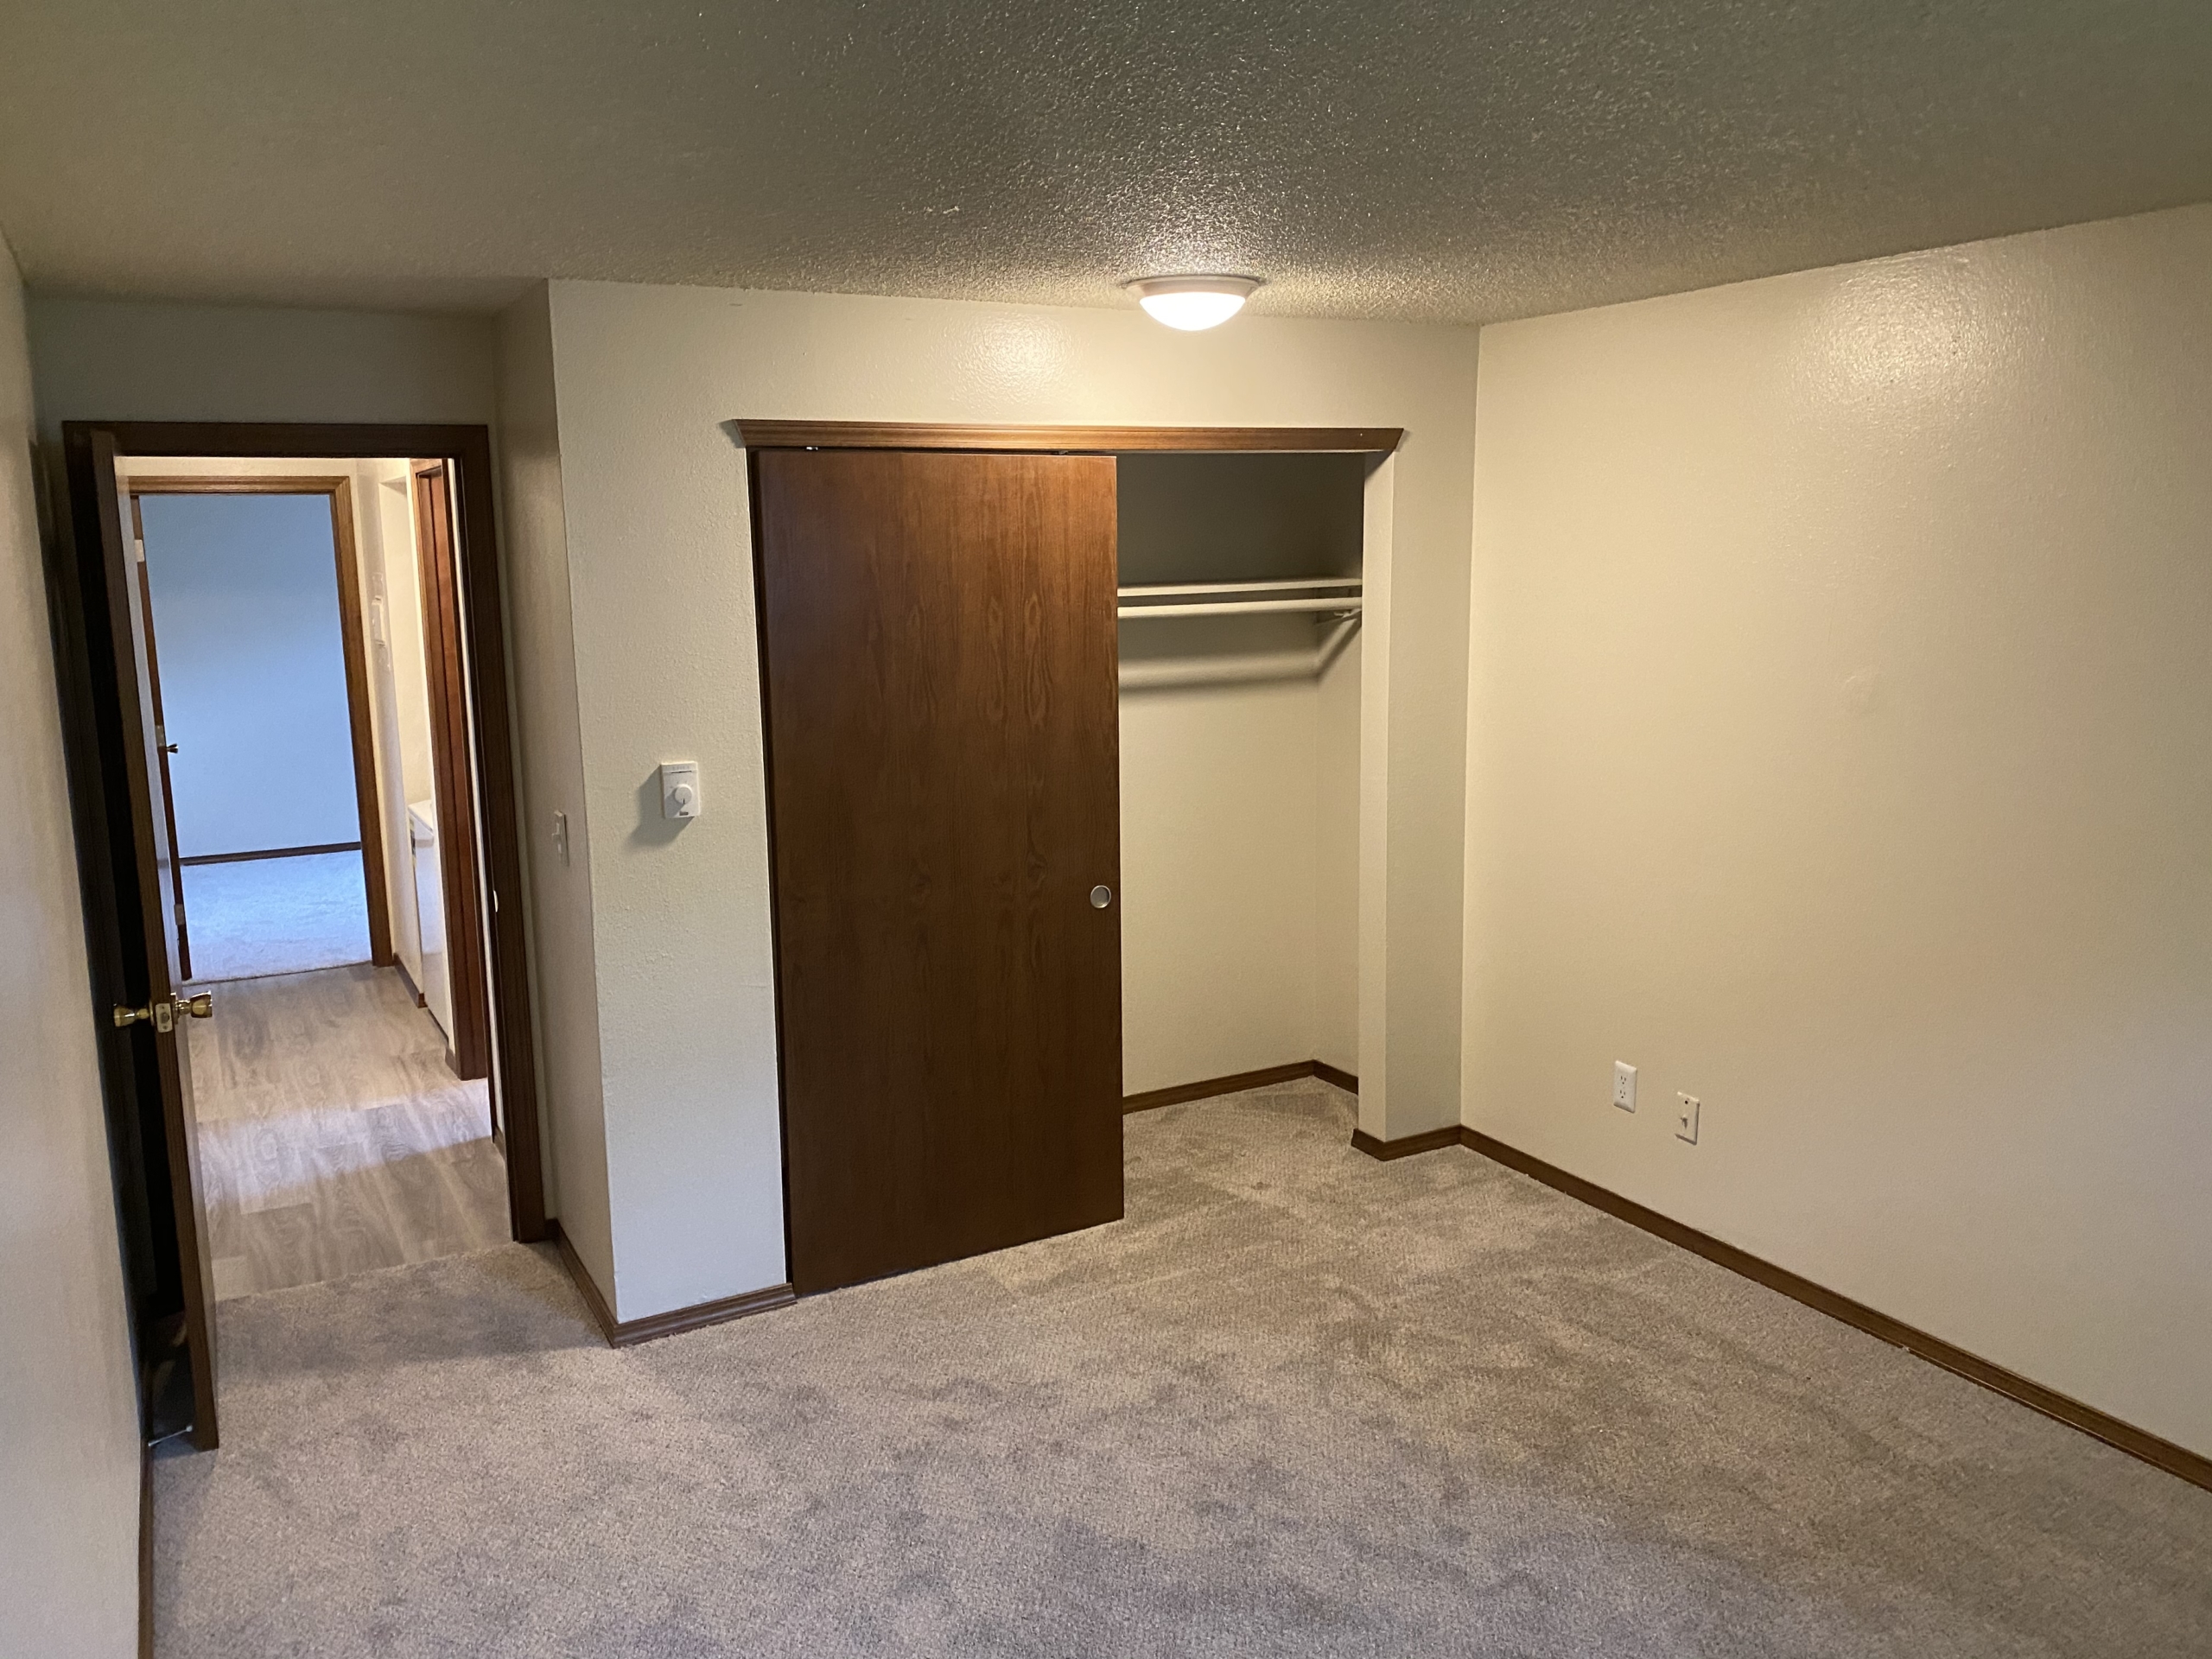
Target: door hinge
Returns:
[[179, 908]]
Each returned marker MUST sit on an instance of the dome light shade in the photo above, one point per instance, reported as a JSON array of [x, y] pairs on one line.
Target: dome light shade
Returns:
[[1193, 302]]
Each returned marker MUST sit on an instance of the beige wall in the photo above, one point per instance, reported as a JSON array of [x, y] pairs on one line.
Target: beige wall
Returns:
[[564, 969], [400, 683], [1335, 1033], [1220, 885], [1838, 753], [69, 1439], [654, 495], [1240, 868], [130, 360]]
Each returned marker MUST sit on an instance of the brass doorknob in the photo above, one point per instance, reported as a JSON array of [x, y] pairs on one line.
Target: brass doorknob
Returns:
[[163, 1015]]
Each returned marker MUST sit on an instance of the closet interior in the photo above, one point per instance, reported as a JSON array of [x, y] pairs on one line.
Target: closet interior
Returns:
[[1239, 604]]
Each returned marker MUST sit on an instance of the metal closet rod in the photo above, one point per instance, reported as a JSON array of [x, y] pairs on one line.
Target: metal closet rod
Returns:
[[1159, 673], [1342, 603]]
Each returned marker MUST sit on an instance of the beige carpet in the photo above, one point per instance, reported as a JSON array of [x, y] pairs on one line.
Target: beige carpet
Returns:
[[1299, 1402]]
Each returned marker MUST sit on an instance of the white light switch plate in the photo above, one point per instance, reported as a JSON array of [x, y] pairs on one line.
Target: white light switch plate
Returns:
[[1686, 1108], [1623, 1085], [679, 789]]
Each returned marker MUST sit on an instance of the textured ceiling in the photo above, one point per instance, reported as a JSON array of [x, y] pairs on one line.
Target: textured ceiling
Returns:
[[1433, 161]]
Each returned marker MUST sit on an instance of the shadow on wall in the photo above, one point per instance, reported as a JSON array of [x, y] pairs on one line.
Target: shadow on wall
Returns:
[[652, 829]]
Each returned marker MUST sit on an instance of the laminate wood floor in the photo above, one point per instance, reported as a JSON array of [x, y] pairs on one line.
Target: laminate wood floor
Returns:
[[333, 1137]]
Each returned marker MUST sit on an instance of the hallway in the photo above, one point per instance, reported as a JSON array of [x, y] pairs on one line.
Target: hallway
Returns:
[[334, 1138]]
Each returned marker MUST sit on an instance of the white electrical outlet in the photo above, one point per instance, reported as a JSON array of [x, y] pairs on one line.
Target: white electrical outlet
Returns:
[[1685, 1118], [1623, 1085]]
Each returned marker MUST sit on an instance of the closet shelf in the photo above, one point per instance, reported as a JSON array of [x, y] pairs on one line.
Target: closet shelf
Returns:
[[1342, 597]]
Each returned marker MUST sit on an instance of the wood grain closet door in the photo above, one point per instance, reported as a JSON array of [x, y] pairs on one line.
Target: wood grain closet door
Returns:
[[938, 663]]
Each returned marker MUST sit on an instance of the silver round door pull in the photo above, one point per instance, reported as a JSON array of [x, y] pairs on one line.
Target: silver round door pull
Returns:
[[1101, 896]]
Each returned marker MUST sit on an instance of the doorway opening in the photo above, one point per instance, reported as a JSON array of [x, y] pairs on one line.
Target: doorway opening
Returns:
[[1241, 593], [285, 687], [325, 877]]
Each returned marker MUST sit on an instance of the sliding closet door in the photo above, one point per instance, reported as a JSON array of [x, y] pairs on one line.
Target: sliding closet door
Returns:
[[938, 632]]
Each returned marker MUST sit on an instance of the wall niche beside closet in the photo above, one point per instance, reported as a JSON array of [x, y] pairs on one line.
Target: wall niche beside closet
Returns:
[[1239, 762]]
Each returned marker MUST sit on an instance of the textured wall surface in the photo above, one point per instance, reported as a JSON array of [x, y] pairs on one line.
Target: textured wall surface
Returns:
[[68, 1402], [542, 627], [399, 682], [1220, 883], [1838, 755], [1395, 158], [97, 360]]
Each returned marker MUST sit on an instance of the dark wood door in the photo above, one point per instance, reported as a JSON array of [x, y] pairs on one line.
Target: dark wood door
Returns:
[[451, 771], [159, 1021], [938, 665], [163, 747]]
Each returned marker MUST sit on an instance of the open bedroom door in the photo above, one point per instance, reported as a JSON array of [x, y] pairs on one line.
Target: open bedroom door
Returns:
[[142, 1005]]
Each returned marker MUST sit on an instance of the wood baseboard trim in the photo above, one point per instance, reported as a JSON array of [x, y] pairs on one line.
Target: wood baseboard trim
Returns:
[[1235, 1081], [146, 1551], [1207, 1088], [272, 852], [627, 1334], [1406, 1144], [2177, 1460], [631, 1332]]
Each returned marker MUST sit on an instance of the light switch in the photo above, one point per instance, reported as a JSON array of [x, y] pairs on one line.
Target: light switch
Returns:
[[679, 789]]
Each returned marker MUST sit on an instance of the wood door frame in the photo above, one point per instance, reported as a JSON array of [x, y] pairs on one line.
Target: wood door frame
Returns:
[[163, 747], [1066, 439], [84, 645], [453, 777], [367, 808]]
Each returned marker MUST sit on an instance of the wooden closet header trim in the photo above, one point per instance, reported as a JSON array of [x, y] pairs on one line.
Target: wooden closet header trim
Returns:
[[260, 484], [869, 435]]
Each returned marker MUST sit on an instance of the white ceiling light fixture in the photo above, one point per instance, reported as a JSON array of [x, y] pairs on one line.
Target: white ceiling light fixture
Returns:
[[1193, 302]]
